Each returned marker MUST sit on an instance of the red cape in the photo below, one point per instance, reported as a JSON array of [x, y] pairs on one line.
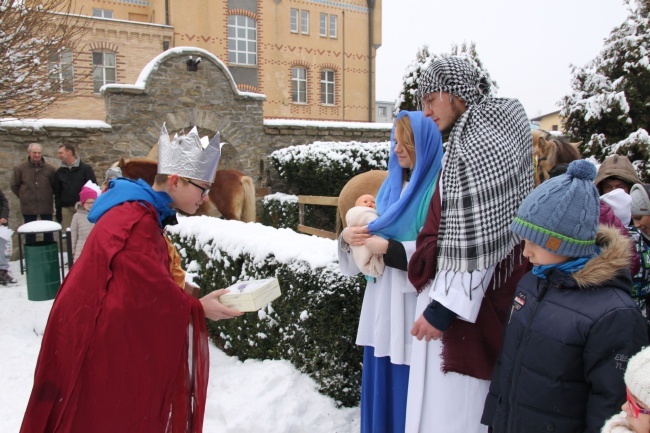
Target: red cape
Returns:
[[114, 356]]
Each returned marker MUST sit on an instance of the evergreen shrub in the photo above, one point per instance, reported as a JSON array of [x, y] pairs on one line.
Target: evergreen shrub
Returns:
[[313, 324], [323, 168]]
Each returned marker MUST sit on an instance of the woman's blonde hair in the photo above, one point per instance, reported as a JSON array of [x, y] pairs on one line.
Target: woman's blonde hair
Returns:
[[405, 137]]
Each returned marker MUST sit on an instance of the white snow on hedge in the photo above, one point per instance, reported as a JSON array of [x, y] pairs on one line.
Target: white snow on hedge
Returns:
[[328, 124], [281, 197], [344, 153], [257, 240]]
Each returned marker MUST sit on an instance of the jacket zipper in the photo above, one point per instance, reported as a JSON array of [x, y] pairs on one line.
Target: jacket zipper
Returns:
[[524, 343]]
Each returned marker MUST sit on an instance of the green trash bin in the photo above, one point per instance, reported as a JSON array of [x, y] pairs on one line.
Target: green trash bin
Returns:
[[42, 268]]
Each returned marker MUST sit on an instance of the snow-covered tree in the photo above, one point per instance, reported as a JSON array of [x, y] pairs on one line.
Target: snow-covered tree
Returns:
[[407, 99], [609, 106], [37, 46]]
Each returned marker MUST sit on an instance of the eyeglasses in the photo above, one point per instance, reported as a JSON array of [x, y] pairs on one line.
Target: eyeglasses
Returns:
[[204, 191], [634, 407]]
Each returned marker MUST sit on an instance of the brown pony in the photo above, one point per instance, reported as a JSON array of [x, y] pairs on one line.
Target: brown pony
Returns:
[[549, 151], [232, 194], [364, 183]]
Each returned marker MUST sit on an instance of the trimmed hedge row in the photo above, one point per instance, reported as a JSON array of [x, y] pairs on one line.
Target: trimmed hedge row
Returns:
[[323, 168], [313, 324]]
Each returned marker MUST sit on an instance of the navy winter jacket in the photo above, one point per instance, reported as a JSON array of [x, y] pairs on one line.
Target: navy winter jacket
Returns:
[[566, 347]]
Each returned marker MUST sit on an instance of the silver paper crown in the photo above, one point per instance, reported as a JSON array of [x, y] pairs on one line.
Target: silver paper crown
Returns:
[[185, 155]]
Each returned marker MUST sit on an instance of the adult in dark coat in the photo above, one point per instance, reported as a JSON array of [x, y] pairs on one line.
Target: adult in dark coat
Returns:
[[69, 178], [32, 182]]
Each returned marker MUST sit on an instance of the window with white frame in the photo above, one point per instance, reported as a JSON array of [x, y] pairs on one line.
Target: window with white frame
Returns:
[[294, 20], [104, 71], [242, 40], [61, 72], [299, 85], [102, 13], [327, 87], [304, 22], [382, 111], [323, 25], [334, 22], [328, 25]]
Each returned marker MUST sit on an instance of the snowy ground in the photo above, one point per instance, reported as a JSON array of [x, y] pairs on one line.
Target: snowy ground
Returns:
[[250, 396]]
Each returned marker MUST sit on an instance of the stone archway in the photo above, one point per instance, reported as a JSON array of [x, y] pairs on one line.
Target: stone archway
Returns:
[[208, 98]]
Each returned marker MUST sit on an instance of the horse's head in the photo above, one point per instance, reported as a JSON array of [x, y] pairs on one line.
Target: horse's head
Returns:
[[139, 168], [549, 150]]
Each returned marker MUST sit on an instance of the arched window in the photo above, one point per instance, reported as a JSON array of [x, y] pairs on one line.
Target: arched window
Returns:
[[299, 85], [61, 72], [327, 87], [103, 69], [242, 40]]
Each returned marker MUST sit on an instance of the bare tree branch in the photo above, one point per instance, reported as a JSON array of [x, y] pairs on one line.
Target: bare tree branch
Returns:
[[34, 36]]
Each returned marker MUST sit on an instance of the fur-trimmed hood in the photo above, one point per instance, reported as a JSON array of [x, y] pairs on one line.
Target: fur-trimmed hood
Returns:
[[614, 258]]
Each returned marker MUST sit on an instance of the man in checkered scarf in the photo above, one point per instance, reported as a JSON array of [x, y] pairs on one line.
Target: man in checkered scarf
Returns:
[[467, 260]]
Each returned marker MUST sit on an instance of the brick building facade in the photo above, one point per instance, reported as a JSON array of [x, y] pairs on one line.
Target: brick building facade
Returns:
[[312, 59]]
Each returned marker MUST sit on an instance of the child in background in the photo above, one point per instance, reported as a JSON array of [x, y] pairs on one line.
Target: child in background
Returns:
[[635, 417], [361, 215], [640, 209], [80, 227], [5, 242], [573, 323]]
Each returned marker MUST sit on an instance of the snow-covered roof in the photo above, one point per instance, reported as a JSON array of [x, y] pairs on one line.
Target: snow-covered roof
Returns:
[[153, 65], [326, 124], [37, 124]]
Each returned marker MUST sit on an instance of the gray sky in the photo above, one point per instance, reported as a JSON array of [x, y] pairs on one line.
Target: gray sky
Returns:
[[527, 47]]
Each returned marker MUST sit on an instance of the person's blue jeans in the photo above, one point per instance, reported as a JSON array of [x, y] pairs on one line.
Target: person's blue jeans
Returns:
[[31, 238]]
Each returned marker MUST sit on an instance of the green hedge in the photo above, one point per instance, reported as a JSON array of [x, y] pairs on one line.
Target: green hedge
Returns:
[[313, 324], [280, 211], [323, 168]]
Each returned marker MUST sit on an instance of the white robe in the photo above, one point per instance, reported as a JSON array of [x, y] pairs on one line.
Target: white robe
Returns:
[[387, 311], [446, 402]]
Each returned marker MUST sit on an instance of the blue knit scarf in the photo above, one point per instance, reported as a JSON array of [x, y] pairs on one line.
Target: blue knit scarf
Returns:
[[566, 267], [122, 190], [402, 214]]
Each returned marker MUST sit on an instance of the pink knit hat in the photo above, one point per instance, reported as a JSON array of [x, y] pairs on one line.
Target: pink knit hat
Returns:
[[86, 194]]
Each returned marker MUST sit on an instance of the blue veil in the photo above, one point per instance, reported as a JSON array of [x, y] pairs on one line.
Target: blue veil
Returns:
[[402, 215]]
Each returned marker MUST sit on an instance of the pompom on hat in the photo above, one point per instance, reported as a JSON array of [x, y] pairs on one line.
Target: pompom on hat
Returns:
[[89, 191], [561, 215], [637, 376]]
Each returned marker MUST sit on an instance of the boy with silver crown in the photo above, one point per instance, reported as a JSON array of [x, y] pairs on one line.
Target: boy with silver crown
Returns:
[[125, 347]]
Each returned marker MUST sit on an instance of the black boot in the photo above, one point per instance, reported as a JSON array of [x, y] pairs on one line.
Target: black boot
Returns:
[[6, 278]]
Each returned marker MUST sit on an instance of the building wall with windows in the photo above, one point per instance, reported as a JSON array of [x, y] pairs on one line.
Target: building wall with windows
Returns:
[[311, 58], [384, 111], [124, 48], [549, 122]]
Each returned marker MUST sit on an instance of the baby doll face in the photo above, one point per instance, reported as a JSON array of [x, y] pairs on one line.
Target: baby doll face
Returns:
[[89, 203], [366, 200], [538, 256], [640, 424]]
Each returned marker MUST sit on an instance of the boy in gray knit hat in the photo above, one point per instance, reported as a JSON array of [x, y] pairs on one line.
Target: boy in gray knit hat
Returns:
[[640, 235], [573, 324]]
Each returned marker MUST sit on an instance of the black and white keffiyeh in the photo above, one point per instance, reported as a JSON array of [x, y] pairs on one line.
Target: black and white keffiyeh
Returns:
[[488, 169]]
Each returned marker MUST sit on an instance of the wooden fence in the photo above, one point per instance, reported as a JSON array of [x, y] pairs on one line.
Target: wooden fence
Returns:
[[318, 201]]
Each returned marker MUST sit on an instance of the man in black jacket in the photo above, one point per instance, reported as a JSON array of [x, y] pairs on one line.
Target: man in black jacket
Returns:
[[69, 178]]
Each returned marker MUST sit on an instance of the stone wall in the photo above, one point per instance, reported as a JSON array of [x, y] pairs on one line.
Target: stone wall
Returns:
[[167, 92]]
